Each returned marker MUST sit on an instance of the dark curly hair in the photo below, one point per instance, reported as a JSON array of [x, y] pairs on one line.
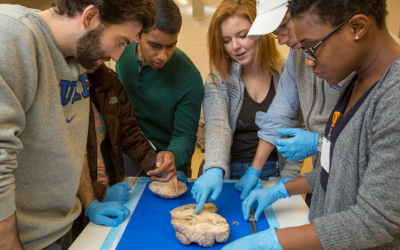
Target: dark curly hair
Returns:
[[337, 11], [111, 11]]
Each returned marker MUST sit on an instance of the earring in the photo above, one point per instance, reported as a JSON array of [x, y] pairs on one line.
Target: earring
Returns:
[[356, 37]]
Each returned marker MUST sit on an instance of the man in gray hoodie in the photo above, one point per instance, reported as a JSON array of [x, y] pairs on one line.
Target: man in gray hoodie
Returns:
[[44, 107]]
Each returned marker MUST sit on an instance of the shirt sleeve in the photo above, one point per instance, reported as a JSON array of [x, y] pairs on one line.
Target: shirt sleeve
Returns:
[[283, 108], [186, 120], [218, 133], [18, 82], [291, 169]]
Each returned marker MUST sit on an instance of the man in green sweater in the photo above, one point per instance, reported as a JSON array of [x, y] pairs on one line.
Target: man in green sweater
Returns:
[[166, 91]]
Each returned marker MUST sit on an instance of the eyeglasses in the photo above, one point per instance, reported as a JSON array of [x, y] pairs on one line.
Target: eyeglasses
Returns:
[[309, 53], [282, 30]]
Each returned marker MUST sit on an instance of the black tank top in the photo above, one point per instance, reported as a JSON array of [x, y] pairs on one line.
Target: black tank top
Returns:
[[245, 139]]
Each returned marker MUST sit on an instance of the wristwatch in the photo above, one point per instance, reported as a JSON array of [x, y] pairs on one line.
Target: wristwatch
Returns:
[[320, 140]]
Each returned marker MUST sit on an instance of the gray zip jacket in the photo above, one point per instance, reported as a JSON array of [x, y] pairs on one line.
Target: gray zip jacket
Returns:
[[361, 208], [221, 106]]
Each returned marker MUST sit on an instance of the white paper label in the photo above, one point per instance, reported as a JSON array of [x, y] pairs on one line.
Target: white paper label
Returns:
[[325, 160]]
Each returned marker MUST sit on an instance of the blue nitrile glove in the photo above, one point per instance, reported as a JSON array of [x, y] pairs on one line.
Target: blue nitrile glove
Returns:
[[264, 240], [302, 145], [210, 182], [109, 214], [285, 179], [181, 177], [265, 197], [118, 192], [249, 181]]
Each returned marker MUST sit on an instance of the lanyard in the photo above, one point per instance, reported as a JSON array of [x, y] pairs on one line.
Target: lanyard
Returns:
[[335, 117]]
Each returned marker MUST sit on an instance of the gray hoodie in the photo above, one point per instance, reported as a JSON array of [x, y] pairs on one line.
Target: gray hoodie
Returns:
[[44, 107]]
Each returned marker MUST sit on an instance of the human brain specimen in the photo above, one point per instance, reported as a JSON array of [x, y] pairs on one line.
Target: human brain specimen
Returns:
[[204, 228], [166, 190]]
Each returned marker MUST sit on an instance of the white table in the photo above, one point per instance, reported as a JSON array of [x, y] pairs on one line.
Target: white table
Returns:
[[289, 212]]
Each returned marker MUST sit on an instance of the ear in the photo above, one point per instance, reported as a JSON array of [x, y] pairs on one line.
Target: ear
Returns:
[[137, 38], [359, 24], [90, 17]]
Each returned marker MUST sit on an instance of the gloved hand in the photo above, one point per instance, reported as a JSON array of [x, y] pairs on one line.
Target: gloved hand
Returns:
[[109, 214], [302, 145], [265, 197], [249, 181], [118, 192], [264, 240], [181, 177], [285, 179], [209, 182]]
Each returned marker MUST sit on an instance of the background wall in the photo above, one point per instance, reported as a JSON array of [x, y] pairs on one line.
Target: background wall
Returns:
[[192, 39], [36, 4]]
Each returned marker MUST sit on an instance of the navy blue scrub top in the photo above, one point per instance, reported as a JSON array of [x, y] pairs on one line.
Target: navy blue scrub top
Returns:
[[341, 123]]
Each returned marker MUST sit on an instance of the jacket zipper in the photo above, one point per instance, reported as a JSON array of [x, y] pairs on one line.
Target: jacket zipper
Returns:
[[111, 182], [323, 98]]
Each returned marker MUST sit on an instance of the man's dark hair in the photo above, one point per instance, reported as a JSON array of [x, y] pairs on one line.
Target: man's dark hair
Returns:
[[111, 11], [169, 18], [337, 11]]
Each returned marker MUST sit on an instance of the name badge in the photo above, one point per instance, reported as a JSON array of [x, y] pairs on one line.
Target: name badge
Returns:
[[325, 160]]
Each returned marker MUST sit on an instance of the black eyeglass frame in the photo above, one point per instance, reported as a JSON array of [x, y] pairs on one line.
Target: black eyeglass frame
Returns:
[[274, 33], [309, 53]]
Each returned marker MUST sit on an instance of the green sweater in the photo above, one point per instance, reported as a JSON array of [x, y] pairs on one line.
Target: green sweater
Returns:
[[167, 101]]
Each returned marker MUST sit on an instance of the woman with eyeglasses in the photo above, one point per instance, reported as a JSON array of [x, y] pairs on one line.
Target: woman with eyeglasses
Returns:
[[243, 80], [356, 191]]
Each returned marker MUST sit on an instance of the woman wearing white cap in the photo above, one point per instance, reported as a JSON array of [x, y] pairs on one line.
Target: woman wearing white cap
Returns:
[[243, 79]]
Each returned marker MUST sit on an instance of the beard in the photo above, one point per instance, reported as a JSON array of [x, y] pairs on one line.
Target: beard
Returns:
[[89, 49]]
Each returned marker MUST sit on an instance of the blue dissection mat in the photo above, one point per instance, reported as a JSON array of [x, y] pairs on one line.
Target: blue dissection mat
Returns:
[[150, 226]]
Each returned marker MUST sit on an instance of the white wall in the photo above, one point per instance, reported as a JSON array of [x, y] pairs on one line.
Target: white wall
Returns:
[[192, 39], [393, 19], [36, 4]]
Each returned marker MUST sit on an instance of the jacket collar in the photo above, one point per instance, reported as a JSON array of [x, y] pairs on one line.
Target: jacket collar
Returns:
[[103, 77]]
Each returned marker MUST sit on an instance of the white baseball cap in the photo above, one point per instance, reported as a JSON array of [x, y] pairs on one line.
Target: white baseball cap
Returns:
[[270, 14]]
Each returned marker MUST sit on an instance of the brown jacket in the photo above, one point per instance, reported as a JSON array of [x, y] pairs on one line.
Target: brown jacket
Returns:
[[123, 132]]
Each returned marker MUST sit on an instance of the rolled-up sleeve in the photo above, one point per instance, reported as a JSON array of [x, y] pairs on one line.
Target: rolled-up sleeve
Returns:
[[282, 111]]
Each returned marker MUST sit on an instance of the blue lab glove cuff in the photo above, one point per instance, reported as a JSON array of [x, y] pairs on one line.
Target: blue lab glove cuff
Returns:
[[315, 143], [207, 187], [118, 192], [264, 240], [248, 182], [92, 205], [215, 170], [285, 179], [253, 171], [181, 177], [281, 190], [301, 145]]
